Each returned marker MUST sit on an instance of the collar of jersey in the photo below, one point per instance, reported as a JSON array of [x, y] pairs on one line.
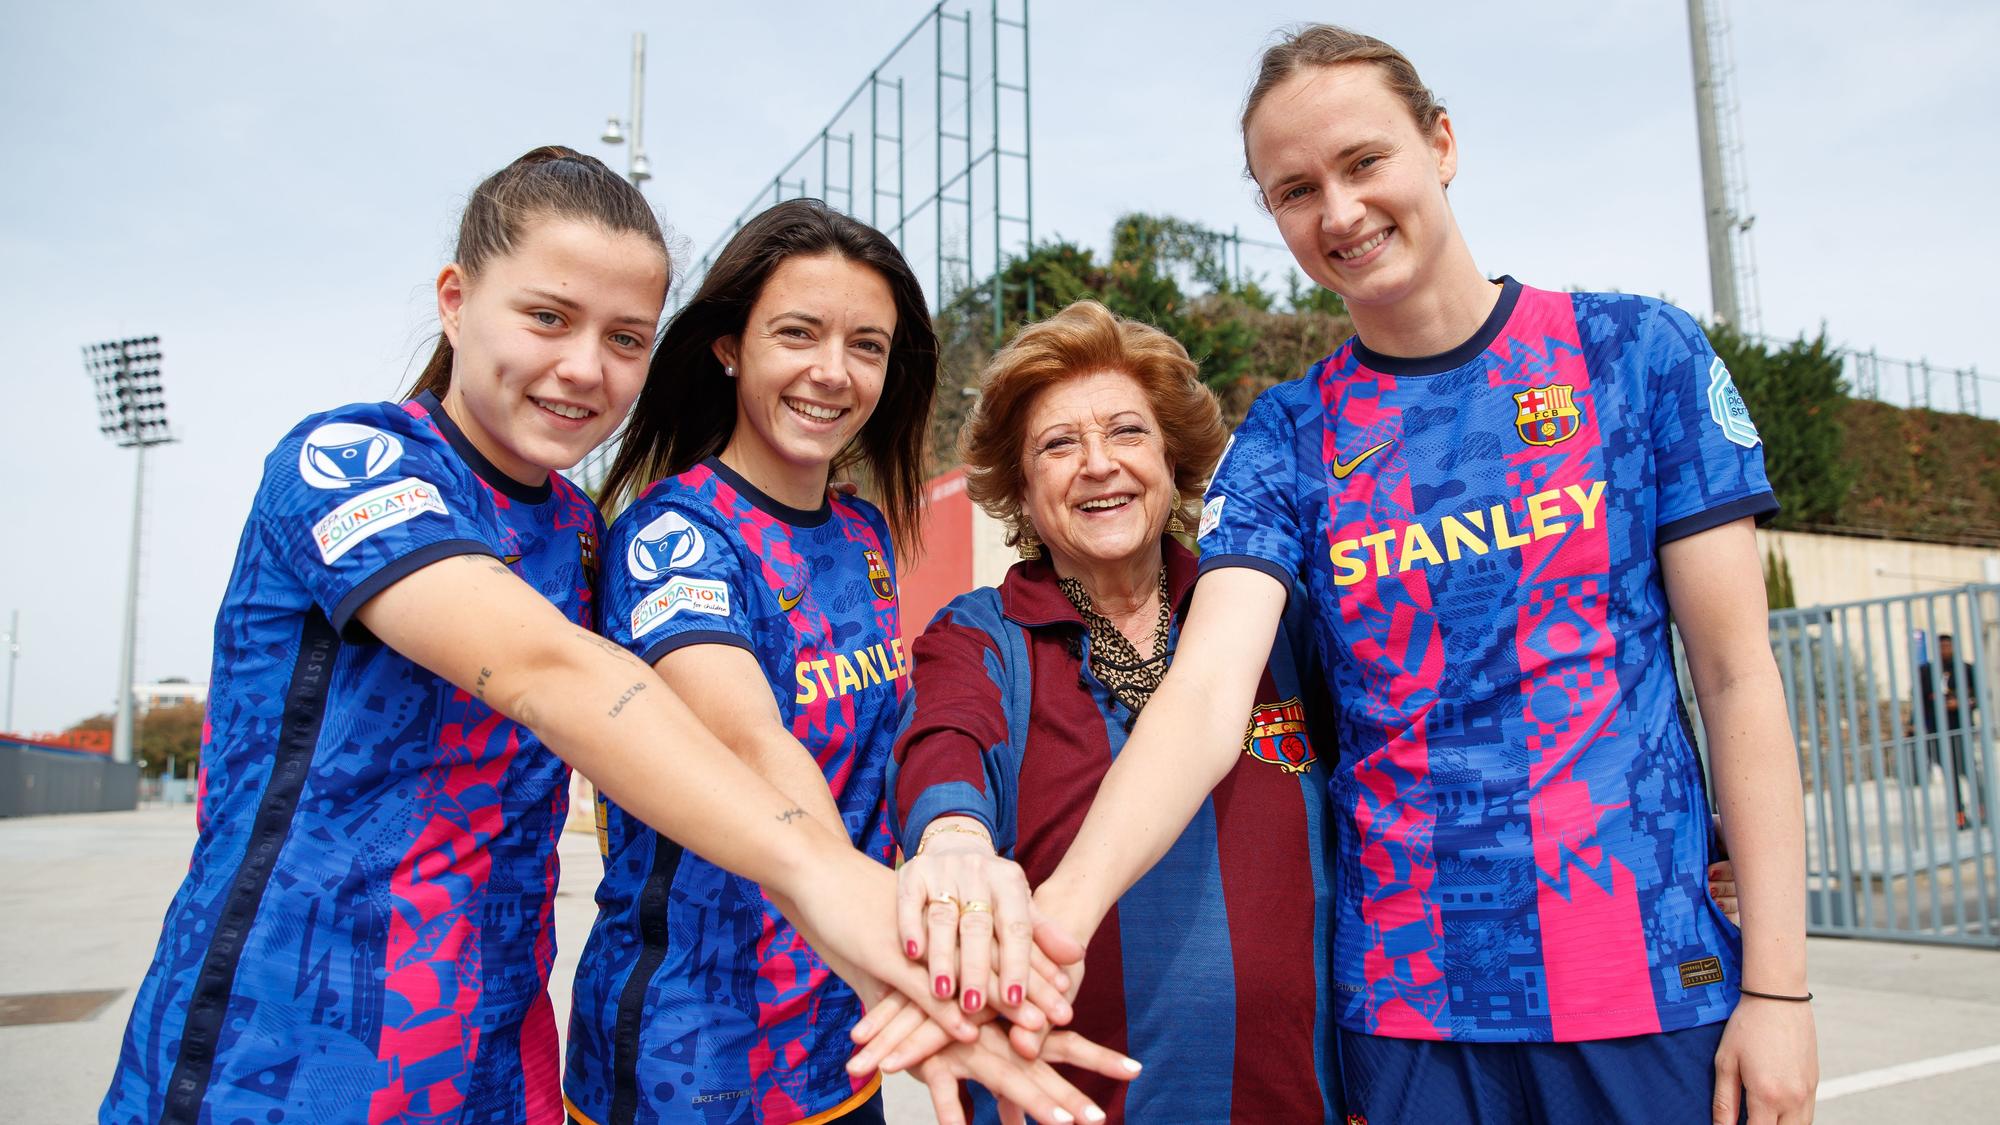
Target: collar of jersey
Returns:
[[764, 502], [1471, 349], [486, 470]]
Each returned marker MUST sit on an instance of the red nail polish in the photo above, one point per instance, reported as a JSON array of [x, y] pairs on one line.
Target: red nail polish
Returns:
[[943, 987], [972, 999], [910, 950], [1014, 995]]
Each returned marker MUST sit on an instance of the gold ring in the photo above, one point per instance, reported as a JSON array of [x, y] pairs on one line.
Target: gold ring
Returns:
[[973, 906], [948, 901]]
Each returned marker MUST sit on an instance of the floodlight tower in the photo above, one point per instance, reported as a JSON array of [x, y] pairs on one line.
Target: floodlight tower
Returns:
[[638, 169], [1732, 263], [132, 411]]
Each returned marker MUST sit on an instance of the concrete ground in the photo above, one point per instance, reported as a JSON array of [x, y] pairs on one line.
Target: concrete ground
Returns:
[[1907, 1032]]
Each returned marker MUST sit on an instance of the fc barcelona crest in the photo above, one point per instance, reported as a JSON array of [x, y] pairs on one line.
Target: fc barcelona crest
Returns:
[[1277, 735], [878, 575], [1547, 414]]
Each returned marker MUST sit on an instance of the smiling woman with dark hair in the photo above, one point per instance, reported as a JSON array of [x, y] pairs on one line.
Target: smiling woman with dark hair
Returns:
[[768, 602]]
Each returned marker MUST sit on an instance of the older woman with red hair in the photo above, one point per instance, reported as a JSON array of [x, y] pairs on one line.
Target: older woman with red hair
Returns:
[[1092, 441]]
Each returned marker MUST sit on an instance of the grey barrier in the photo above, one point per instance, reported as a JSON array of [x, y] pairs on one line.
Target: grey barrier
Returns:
[[35, 781], [1900, 783]]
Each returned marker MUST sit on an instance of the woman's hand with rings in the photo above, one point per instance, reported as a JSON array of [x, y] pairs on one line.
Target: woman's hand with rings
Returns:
[[955, 901]]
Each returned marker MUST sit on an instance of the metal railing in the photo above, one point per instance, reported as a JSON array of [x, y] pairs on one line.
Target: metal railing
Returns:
[[1896, 749], [1915, 382]]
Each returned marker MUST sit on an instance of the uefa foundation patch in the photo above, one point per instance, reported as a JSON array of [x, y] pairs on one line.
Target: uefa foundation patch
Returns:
[[693, 595], [372, 511]]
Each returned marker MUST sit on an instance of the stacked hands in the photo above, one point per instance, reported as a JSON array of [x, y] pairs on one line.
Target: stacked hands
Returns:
[[1003, 975], [994, 958]]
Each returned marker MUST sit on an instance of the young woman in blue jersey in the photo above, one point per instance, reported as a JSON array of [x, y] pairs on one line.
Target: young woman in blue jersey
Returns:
[[768, 602], [365, 931], [1494, 496]]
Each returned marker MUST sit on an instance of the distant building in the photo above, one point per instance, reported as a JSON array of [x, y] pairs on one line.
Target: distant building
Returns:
[[166, 693]]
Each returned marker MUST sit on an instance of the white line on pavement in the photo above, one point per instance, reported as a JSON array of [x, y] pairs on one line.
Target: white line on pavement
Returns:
[[1907, 1072]]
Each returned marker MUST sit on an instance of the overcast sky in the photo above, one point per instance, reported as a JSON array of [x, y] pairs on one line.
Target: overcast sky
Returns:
[[271, 188]]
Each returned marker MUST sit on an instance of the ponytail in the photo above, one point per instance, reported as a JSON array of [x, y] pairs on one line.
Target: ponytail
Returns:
[[551, 182]]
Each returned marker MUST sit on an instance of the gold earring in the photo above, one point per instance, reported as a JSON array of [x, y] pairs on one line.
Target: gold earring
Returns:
[[1030, 548], [1175, 525]]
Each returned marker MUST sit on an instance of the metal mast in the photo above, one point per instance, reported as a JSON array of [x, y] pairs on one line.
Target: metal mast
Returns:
[[1732, 268], [132, 412], [637, 169]]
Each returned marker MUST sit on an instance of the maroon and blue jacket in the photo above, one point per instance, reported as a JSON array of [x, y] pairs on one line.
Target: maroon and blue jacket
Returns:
[[1212, 969]]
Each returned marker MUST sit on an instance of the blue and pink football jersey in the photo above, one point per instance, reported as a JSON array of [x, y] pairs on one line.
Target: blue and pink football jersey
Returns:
[[695, 1000], [1522, 823], [366, 929]]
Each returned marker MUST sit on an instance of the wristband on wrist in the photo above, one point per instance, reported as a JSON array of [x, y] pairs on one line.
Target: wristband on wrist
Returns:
[[1776, 996], [936, 830]]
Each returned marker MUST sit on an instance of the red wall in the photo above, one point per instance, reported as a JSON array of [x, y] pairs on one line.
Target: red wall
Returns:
[[943, 570]]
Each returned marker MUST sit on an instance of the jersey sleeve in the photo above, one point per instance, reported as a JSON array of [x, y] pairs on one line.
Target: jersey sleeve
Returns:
[[1707, 455], [673, 576], [357, 498], [1250, 516], [954, 754]]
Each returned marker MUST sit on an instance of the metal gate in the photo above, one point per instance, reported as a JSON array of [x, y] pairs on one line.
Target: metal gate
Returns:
[[1896, 749]]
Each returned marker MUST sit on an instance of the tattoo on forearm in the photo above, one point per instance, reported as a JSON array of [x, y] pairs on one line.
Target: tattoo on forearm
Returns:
[[626, 698], [479, 685], [790, 815], [608, 646]]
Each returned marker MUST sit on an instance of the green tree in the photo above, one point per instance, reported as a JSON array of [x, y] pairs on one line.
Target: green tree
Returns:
[[167, 735], [1304, 296], [170, 735], [1778, 581], [105, 722], [1162, 271]]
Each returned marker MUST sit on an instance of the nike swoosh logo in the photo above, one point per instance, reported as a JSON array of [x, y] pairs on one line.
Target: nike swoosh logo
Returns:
[[786, 602], [1342, 468]]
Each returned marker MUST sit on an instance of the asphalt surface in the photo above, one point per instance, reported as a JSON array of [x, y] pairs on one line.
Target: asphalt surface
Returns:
[[1907, 1032]]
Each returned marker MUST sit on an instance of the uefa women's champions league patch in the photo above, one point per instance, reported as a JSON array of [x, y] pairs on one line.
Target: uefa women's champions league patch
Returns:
[[344, 454], [668, 543], [1725, 405]]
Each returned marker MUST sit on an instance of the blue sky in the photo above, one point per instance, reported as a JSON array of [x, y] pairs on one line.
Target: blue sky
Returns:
[[271, 188]]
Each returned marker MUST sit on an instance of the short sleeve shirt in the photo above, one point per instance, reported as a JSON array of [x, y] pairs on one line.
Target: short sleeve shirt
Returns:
[[706, 558], [369, 903], [1521, 818]]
